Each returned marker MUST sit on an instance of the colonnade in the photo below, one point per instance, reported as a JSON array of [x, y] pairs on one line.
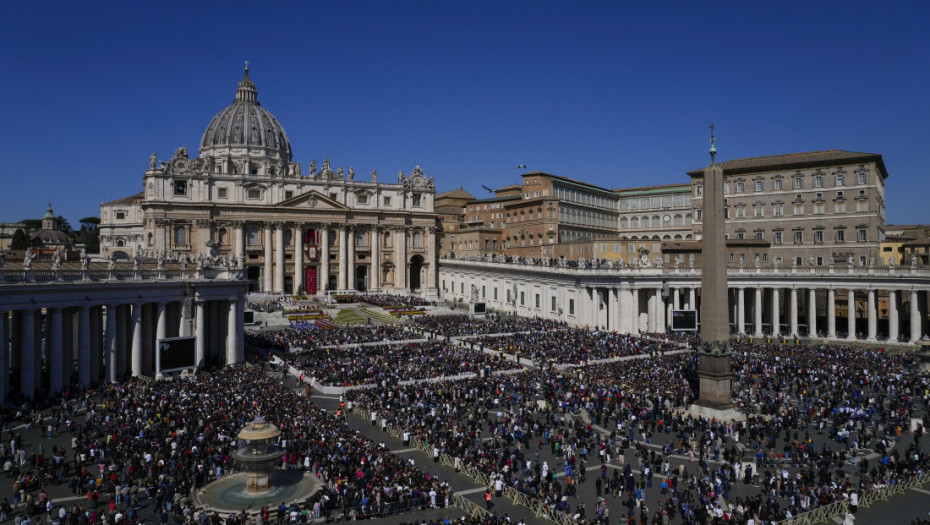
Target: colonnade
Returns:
[[59, 334], [866, 305]]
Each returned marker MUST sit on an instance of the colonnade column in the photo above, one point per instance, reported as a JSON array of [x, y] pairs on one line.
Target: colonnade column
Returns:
[[873, 317], [892, 316], [279, 258], [374, 275], [352, 236], [831, 313], [915, 317], [741, 310], [267, 282], [757, 312], [811, 312], [343, 255], [615, 315], [4, 357], [84, 346], [634, 328], [298, 259], [136, 322], [161, 331], [200, 344], [692, 298], [55, 349], [776, 314], [850, 314], [323, 284], [231, 350], [110, 343], [29, 351], [793, 312]]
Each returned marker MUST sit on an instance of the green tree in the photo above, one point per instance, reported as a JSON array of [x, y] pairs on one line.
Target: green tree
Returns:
[[20, 240]]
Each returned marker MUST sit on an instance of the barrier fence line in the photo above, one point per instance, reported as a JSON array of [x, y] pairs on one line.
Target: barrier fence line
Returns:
[[840, 508]]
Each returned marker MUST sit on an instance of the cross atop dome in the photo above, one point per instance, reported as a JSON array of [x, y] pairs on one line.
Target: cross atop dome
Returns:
[[246, 90]]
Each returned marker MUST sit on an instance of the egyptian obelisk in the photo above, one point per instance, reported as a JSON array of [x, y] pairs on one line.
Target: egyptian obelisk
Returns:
[[714, 368]]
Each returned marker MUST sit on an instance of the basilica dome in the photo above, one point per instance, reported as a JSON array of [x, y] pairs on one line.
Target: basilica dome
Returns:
[[246, 124]]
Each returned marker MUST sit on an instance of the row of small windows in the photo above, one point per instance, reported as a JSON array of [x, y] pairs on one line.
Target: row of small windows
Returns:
[[818, 180], [778, 208], [655, 221], [253, 237], [660, 201], [839, 236]]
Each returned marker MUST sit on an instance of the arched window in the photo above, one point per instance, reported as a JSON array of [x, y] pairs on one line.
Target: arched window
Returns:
[[666, 237], [678, 237], [387, 239], [687, 219], [180, 236], [624, 223], [150, 240], [634, 223], [119, 242], [417, 240], [656, 221], [679, 220]]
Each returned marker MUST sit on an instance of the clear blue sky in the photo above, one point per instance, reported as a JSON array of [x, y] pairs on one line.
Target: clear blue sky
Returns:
[[618, 94]]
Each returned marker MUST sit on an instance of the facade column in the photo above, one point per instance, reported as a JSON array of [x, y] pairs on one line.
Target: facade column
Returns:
[[267, 283], [757, 312], [873, 317], [161, 331], [692, 298], [343, 257], [831, 313], [432, 271], [915, 317], [676, 298], [206, 234], [374, 275], [400, 258], [298, 260], [239, 239], [892, 316], [776, 314], [111, 343], [279, 258], [201, 342], [323, 284], [84, 346], [812, 312], [850, 314], [231, 335], [136, 321], [352, 236], [793, 312], [741, 311], [160, 238]]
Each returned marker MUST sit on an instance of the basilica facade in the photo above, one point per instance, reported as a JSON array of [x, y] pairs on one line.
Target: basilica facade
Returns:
[[245, 201]]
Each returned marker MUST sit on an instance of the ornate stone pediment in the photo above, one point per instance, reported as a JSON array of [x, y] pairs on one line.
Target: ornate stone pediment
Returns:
[[182, 164], [418, 181], [313, 199]]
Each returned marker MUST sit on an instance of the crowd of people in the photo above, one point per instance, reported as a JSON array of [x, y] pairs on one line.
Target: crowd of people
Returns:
[[452, 325], [309, 335], [392, 363], [574, 345], [387, 300]]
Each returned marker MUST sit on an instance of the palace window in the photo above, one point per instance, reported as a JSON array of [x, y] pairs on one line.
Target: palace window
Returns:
[[758, 210], [798, 209], [778, 209], [180, 187], [840, 236], [818, 236], [180, 236], [818, 181], [797, 183], [252, 237], [757, 185], [254, 194], [740, 186], [798, 237], [861, 235], [862, 177], [416, 199], [839, 179], [776, 184], [221, 193], [776, 237]]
